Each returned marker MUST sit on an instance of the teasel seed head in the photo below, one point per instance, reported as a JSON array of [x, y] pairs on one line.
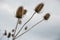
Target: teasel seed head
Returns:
[[9, 35], [46, 17], [39, 7], [25, 11], [19, 12], [5, 33]]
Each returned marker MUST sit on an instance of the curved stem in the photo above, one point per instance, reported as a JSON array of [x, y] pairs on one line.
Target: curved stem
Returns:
[[25, 24], [29, 29]]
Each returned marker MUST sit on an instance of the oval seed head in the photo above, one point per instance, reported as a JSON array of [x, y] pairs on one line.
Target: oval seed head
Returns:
[[9, 35], [46, 17], [5, 33], [19, 12], [25, 11], [39, 7]]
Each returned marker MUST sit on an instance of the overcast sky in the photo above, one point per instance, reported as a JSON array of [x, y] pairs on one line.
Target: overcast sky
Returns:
[[46, 30]]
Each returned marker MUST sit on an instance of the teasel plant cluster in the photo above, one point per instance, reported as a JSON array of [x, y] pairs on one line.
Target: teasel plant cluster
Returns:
[[19, 15]]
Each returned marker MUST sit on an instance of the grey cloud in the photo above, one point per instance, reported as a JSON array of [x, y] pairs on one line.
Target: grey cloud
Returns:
[[47, 30]]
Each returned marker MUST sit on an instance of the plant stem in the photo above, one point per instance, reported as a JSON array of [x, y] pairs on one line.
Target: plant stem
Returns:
[[29, 29], [15, 29], [25, 24]]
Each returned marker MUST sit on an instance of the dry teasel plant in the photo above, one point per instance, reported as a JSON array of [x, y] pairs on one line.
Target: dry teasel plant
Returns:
[[19, 15], [37, 9], [47, 15], [20, 12]]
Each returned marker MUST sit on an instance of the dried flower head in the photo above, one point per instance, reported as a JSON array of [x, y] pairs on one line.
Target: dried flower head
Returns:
[[24, 11], [5, 33], [39, 7], [9, 35], [46, 17], [19, 12]]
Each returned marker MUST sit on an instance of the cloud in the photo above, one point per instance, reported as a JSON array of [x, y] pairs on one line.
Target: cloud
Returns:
[[4, 6]]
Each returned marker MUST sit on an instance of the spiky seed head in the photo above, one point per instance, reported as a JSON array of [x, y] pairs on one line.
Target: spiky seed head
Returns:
[[19, 12], [25, 11], [46, 17], [9, 35], [39, 7]]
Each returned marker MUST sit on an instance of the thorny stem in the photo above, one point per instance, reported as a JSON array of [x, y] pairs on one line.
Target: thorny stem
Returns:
[[25, 24], [15, 29], [29, 28]]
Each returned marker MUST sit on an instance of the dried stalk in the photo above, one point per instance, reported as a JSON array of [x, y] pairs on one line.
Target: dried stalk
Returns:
[[25, 24], [29, 28], [15, 29]]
